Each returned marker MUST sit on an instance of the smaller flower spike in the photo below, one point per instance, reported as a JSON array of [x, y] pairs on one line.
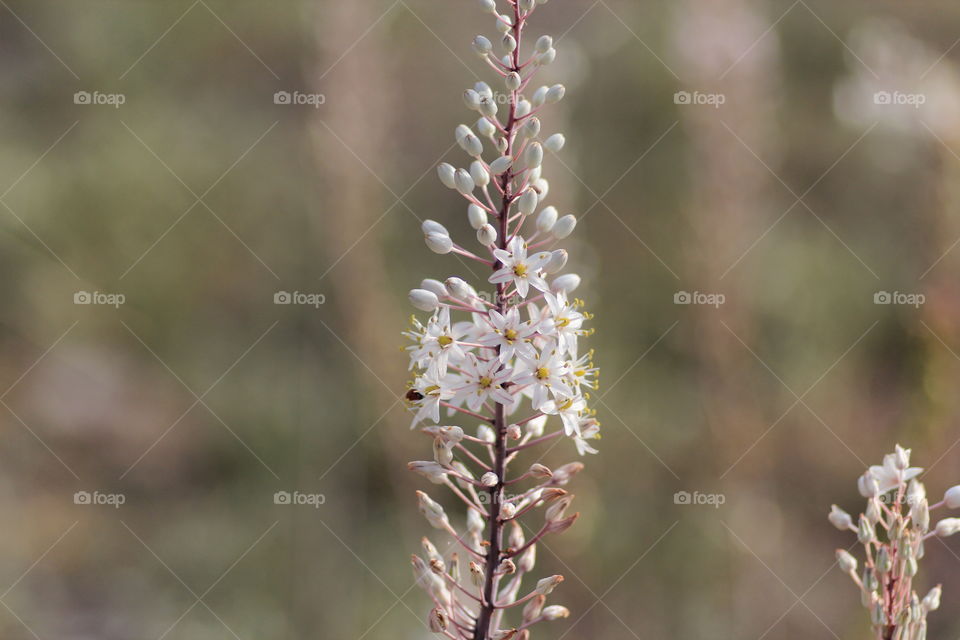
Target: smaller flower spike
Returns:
[[892, 530]]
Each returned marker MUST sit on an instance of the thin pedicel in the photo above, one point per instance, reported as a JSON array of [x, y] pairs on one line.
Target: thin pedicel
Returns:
[[893, 530], [510, 360]]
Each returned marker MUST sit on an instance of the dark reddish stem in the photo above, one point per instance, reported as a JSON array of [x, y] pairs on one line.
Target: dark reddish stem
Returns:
[[495, 535]]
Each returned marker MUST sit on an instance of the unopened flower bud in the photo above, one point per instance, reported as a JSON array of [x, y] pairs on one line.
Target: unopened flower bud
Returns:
[[555, 93], [839, 518], [435, 286], [533, 155], [461, 132], [487, 106], [531, 129], [507, 510], [488, 5], [948, 527], [438, 242], [472, 99], [512, 81], [489, 479], [476, 216], [546, 219], [464, 182], [423, 299], [514, 432], [534, 428], [952, 497], [432, 226], [873, 512], [479, 174], [555, 142], [486, 235], [920, 513], [564, 226], [482, 46], [472, 145], [547, 57], [868, 486], [485, 128], [458, 288], [545, 586], [523, 108], [848, 564], [865, 531], [566, 283], [445, 171], [539, 96], [509, 43], [901, 458], [527, 202], [555, 612], [883, 561], [485, 433], [501, 164], [543, 44], [931, 601]]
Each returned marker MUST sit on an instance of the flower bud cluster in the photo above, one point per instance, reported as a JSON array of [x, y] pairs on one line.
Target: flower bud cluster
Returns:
[[508, 359], [892, 530]]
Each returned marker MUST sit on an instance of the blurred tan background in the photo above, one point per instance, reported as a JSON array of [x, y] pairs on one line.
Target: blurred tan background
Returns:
[[800, 198]]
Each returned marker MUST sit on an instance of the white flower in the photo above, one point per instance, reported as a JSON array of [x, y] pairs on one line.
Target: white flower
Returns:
[[839, 518], [567, 322], [522, 270], [426, 393], [569, 410], [547, 375], [511, 334], [589, 430], [482, 380], [893, 473], [438, 344]]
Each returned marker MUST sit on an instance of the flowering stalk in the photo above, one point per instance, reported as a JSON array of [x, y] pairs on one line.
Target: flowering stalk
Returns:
[[892, 531], [512, 363]]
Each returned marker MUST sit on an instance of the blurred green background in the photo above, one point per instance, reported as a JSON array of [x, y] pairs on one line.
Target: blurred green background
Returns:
[[199, 198]]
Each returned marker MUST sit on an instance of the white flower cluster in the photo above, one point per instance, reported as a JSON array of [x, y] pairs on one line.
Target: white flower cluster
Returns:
[[892, 531], [508, 358]]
